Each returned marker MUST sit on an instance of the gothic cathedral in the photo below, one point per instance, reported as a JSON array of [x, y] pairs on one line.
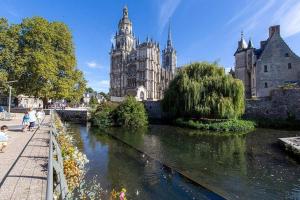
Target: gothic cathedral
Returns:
[[135, 67]]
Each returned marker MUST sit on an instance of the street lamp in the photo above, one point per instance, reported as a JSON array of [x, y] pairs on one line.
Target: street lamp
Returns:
[[9, 96]]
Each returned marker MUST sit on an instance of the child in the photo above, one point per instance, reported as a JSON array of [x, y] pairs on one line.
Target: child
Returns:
[[32, 118], [40, 115], [25, 121], [3, 138]]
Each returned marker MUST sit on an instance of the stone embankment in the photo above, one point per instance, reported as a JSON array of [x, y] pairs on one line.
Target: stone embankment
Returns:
[[283, 104], [292, 144]]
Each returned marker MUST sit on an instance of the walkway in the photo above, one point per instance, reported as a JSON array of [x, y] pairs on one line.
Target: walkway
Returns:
[[23, 165]]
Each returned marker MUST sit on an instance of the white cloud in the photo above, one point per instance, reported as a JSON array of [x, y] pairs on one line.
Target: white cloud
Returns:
[[167, 9], [290, 19], [262, 14], [104, 83], [244, 11], [93, 64], [100, 86]]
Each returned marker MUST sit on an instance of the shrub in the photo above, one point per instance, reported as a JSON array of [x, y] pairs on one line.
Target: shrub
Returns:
[[204, 90], [233, 125], [131, 113], [103, 116]]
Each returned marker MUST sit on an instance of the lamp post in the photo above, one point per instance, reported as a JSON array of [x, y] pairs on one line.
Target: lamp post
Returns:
[[9, 96]]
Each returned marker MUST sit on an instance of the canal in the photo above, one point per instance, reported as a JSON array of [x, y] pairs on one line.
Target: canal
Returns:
[[165, 162]]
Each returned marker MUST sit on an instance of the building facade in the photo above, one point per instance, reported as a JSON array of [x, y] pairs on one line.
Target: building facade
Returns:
[[264, 69], [135, 67]]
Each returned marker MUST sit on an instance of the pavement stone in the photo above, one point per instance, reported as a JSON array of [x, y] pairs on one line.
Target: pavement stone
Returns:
[[28, 176]]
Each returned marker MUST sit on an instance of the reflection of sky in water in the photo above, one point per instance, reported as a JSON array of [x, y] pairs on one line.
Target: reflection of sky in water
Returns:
[[118, 165], [246, 167]]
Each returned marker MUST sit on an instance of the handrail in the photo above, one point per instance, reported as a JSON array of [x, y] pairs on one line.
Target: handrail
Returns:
[[49, 194], [55, 163]]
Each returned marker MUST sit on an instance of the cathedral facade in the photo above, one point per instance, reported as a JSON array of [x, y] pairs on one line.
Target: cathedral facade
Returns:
[[268, 67], [135, 67]]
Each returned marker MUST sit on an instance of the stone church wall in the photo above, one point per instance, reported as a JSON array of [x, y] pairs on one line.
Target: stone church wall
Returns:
[[282, 104]]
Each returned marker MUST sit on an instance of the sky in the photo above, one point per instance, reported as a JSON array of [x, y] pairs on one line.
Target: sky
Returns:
[[202, 30]]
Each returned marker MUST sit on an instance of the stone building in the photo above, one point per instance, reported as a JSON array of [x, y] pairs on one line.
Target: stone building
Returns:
[[270, 66], [135, 67]]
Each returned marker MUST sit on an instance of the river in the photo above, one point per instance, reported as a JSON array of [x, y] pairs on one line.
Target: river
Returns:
[[165, 162]]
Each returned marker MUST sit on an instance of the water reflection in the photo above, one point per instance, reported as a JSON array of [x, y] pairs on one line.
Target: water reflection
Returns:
[[239, 167], [118, 165]]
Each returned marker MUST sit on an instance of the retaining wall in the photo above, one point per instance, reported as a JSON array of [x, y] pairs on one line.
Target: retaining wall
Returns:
[[282, 104]]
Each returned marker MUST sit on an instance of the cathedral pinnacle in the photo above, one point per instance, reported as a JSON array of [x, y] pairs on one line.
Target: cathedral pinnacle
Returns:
[[169, 42], [242, 43], [125, 12]]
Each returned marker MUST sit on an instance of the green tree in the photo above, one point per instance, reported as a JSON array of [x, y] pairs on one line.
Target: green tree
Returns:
[[131, 113], [106, 96], [10, 53], [40, 55], [93, 100], [203, 90], [89, 90]]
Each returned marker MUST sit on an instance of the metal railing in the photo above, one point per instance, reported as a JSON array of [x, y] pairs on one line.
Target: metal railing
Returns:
[[55, 166]]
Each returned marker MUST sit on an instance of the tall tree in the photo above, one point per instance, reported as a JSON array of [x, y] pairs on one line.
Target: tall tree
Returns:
[[40, 55], [204, 90]]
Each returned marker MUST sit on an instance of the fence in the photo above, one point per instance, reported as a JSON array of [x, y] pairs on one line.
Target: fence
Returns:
[[55, 166]]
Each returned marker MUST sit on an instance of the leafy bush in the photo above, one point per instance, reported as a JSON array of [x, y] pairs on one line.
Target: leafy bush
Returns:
[[204, 90], [131, 113], [233, 125], [103, 116]]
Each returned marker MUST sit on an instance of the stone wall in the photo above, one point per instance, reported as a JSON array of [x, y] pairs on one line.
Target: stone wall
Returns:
[[282, 104], [153, 109], [76, 116]]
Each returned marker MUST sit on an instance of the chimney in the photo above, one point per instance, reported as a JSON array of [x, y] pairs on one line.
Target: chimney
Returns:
[[273, 30]]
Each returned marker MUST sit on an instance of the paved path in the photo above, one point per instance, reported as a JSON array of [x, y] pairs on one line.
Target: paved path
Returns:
[[23, 165]]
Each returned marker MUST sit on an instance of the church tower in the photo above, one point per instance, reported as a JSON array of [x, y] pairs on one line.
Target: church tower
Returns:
[[169, 58], [242, 69], [124, 37], [124, 45]]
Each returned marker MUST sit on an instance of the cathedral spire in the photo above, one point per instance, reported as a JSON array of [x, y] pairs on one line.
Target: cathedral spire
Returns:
[[125, 12], [250, 44], [169, 42]]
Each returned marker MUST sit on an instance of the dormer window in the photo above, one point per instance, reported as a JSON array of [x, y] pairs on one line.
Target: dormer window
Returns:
[[287, 55], [289, 65], [266, 68]]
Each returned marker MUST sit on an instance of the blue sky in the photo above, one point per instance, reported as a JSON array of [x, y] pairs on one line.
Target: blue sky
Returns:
[[203, 30]]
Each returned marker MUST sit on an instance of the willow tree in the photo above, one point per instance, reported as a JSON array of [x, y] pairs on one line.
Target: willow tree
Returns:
[[203, 90]]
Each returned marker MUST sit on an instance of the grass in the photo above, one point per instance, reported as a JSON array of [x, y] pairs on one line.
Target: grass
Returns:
[[233, 125]]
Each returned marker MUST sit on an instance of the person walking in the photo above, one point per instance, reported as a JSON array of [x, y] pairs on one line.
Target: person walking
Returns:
[[32, 118], [40, 115], [25, 122]]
